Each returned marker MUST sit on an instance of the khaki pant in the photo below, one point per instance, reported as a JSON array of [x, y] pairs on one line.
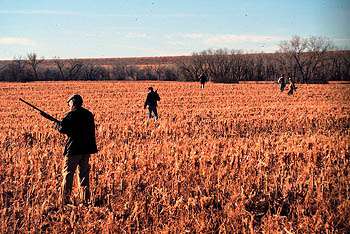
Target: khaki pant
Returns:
[[70, 164]]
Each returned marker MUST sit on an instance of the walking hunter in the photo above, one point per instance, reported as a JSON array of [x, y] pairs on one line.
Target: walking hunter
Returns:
[[151, 102]]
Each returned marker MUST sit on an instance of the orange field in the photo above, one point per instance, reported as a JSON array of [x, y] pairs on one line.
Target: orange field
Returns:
[[239, 158]]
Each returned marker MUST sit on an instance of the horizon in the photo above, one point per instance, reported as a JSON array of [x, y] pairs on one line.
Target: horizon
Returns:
[[131, 29], [24, 57]]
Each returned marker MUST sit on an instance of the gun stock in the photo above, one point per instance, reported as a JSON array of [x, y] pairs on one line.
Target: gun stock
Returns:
[[42, 113]]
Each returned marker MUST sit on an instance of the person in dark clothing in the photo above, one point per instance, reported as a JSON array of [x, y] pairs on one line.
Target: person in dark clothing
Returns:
[[203, 79], [79, 126], [282, 82], [292, 87], [151, 102]]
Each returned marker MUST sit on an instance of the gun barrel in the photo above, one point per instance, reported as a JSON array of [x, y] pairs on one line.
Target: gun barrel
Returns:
[[31, 105], [43, 113]]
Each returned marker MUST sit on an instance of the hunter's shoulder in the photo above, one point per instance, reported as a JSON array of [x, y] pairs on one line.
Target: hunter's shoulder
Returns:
[[79, 112], [86, 111], [69, 114], [83, 112]]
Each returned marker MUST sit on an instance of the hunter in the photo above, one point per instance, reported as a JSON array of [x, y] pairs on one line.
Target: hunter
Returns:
[[292, 87], [79, 126], [151, 102], [282, 82], [203, 79]]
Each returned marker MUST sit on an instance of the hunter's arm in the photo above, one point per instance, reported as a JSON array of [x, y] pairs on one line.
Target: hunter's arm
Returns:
[[65, 125], [146, 102]]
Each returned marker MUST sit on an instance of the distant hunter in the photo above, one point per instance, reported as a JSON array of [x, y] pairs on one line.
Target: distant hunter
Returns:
[[203, 78], [282, 82], [151, 102]]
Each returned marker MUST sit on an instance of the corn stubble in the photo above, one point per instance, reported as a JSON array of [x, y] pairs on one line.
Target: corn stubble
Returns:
[[227, 159]]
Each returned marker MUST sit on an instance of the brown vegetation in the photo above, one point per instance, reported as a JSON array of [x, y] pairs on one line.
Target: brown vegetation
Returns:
[[229, 158]]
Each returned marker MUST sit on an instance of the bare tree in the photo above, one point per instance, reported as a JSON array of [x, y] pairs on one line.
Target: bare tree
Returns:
[[2, 67], [118, 72], [122, 71], [238, 61], [159, 70], [193, 67], [346, 65], [94, 72], [220, 64], [74, 67], [307, 53], [61, 67], [17, 70], [34, 63], [131, 72]]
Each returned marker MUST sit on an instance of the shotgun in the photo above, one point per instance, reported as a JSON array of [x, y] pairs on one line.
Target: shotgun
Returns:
[[42, 113]]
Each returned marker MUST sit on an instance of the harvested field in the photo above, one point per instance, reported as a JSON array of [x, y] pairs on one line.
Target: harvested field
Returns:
[[238, 158]]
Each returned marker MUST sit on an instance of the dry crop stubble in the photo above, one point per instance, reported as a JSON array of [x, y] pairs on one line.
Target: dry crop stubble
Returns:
[[229, 158]]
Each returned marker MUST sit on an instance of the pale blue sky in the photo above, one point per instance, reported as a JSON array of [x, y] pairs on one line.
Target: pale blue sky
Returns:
[[127, 28]]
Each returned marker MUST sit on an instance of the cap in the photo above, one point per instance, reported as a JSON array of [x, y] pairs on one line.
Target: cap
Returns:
[[150, 88], [77, 99]]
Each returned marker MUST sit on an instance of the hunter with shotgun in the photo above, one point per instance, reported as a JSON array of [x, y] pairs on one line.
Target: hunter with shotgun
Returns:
[[79, 126]]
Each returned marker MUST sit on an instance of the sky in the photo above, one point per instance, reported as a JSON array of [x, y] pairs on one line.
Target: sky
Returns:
[[130, 28]]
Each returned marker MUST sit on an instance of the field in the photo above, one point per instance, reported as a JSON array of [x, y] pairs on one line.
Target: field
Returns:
[[239, 158]]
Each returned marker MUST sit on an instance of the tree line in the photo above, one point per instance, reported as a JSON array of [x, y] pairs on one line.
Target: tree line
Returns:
[[306, 60]]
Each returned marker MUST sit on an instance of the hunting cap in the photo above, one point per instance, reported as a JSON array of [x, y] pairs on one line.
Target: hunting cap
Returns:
[[77, 99]]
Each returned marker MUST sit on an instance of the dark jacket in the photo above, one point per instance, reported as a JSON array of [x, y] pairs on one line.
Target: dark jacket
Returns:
[[79, 126], [151, 100], [203, 78]]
